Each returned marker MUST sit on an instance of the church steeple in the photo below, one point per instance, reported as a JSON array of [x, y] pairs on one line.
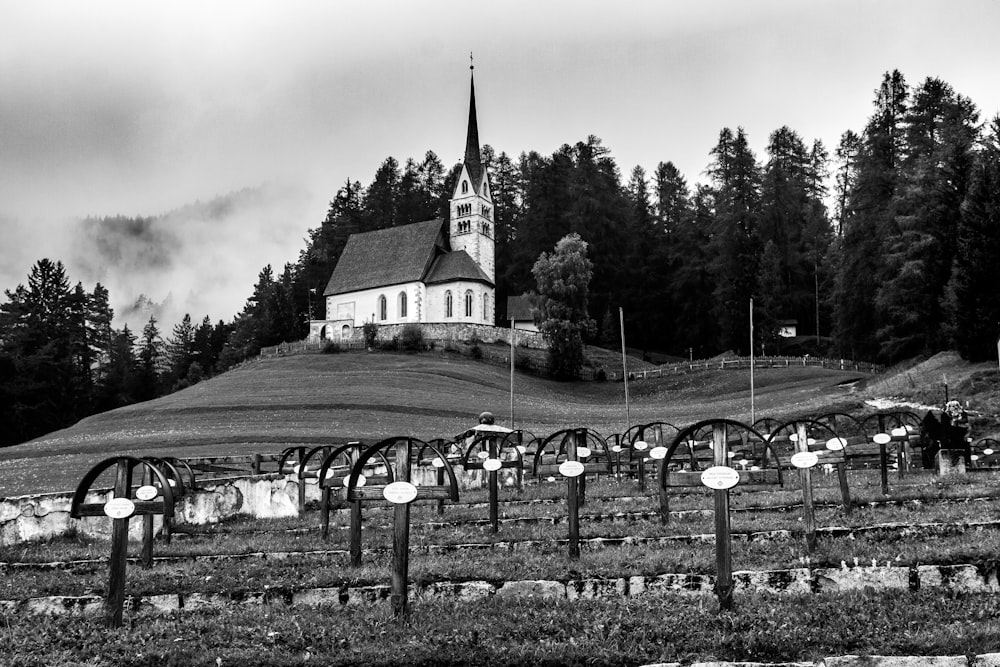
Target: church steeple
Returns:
[[471, 211], [473, 158]]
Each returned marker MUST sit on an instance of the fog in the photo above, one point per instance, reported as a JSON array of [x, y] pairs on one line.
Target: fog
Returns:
[[201, 259], [113, 108]]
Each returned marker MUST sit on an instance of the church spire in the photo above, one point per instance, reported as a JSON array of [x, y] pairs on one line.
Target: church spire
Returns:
[[473, 159]]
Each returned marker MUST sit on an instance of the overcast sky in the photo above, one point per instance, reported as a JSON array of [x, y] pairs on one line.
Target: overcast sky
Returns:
[[140, 107]]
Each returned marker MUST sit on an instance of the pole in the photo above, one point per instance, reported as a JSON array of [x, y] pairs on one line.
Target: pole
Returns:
[[621, 322], [753, 417], [512, 334]]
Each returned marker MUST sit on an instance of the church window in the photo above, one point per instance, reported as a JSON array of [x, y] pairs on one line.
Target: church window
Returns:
[[402, 305], [486, 307], [447, 304], [383, 310], [468, 303], [465, 187]]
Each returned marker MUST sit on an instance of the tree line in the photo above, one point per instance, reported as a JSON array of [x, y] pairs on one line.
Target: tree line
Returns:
[[885, 250]]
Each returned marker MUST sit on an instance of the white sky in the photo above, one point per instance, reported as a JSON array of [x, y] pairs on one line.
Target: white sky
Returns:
[[140, 107]]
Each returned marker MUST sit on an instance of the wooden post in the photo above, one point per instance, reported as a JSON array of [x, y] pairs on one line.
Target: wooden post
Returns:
[[119, 550], [572, 503], [325, 509], [299, 454], [805, 479], [255, 464], [845, 491], [491, 480], [883, 458], [723, 536], [401, 536], [642, 462], [355, 537], [581, 489], [519, 476], [440, 482], [147, 527]]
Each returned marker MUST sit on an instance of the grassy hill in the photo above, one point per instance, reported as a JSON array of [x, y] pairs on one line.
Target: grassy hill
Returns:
[[270, 404]]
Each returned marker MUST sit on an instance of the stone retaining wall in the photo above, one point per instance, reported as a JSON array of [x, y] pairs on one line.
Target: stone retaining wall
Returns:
[[25, 518], [959, 578]]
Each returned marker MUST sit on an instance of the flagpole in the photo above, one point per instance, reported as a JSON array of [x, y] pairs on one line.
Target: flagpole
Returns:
[[513, 332], [621, 321], [752, 415]]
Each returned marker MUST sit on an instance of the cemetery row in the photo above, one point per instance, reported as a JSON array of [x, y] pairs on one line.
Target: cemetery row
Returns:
[[715, 456]]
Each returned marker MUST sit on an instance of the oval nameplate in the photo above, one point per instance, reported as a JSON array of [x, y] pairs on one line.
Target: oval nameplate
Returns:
[[804, 459], [400, 493], [362, 480], [483, 455], [616, 449], [147, 492], [570, 468], [882, 439], [720, 477], [437, 462], [119, 508], [987, 451], [658, 453], [640, 445], [492, 465], [583, 452], [836, 444], [899, 432]]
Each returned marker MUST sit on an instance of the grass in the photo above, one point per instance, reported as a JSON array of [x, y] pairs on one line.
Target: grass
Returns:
[[311, 399], [266, 406], [536, 632]]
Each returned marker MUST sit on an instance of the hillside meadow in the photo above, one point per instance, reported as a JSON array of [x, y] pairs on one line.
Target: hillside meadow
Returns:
[[269, 404]]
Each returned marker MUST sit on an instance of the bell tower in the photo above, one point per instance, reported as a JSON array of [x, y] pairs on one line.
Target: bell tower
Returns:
[[471, 221]]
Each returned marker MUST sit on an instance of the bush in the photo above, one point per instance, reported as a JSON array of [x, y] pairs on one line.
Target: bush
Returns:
[[600, 375], [331, 347], [474, 349], [411, 338], [370, 332]]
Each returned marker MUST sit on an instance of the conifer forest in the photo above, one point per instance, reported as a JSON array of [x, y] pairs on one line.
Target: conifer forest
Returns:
[[881, 248]]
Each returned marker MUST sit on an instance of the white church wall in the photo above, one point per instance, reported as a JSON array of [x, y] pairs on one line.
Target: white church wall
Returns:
[[436, 310], [363, 306]]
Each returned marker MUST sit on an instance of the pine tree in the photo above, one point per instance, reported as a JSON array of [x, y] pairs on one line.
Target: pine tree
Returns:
[[150, 362], [940, 134], [974, 295]]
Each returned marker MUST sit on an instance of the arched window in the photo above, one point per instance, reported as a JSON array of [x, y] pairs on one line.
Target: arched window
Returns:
[[486, 308], [402, 305], [465, 187], [345, 332], [447, 304], [468, 303], [383, 308]]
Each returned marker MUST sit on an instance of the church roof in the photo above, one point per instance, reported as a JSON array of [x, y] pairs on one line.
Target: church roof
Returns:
[[387, 257], [456, 265]]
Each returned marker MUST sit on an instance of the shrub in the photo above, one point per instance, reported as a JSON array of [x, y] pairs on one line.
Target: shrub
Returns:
[[474, 349], [331, 347], [411, 338], [370, 332], [600, 375]]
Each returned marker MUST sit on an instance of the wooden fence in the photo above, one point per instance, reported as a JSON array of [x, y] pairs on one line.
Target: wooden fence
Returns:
[[743, 363]]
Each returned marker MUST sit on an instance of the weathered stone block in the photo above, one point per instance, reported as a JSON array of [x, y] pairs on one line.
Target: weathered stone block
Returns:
[[528, 588], [896, 661]]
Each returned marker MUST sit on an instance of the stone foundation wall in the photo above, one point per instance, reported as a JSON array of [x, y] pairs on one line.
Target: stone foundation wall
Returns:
[[456, 332], [26, 518]]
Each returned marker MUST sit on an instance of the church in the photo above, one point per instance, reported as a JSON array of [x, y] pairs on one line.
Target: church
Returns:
[[432, 272]]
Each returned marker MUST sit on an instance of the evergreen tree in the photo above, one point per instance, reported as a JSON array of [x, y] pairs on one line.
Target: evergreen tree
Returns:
[[735, 244], [180, 350], [940, 133], [150, 362], [868, 219], [563, 278], [974, 290]]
